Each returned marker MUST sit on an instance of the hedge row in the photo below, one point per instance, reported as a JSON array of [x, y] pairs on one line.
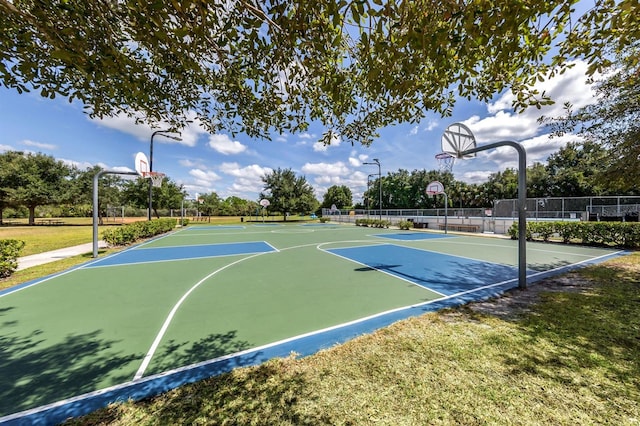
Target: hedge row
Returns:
[[619, 234], [9, 253], [373, 223], [133, 232]]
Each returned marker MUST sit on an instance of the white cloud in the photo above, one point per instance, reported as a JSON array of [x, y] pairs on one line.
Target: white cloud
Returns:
[[204, 178], [39, 145], [431, 124], [413, 131], [81, 165], [248, 179], [504, 124], [355, 162], [326, 169], [477, 176], [501, 126], [253, 171], [334, 141], [84, 165], [571, 86], [356, 181], [4, 148], [224, 145], [123, 123], [187, 163]]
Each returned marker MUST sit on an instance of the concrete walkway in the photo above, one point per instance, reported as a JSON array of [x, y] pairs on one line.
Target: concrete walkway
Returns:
[[51, 256]]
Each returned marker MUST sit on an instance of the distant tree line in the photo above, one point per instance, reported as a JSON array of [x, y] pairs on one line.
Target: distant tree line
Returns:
[[37, 181], [29, 181], [576, 170]]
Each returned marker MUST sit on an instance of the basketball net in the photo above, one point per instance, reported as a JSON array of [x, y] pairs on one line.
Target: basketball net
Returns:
[[156, 178], [445, 161]]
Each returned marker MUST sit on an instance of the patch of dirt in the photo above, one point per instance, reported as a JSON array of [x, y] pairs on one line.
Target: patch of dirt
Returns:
[[514, 303]]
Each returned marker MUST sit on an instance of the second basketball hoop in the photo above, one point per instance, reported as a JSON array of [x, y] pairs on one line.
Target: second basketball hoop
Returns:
[[142, 167], [445, 161], [156, 178]]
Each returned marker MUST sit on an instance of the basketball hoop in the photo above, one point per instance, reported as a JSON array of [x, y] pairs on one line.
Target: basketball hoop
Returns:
[[434, 188], [156, 178], [445, 161]]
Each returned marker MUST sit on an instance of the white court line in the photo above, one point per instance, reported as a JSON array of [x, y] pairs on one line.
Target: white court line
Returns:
[[167, 321], [511, 247]]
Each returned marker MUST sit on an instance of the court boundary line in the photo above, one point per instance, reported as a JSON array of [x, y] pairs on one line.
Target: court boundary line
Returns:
[[58, 414], [529, 248], [189, 258]]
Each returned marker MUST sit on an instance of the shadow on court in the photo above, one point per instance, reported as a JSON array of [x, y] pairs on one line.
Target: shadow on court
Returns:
[[456, 277], [32, 377], [174, 354]]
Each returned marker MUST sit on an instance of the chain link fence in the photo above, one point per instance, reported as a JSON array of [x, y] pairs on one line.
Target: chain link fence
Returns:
[[500, 218]]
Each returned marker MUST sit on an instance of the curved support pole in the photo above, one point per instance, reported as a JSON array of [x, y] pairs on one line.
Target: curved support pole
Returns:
[[522, 203], [96, 178]]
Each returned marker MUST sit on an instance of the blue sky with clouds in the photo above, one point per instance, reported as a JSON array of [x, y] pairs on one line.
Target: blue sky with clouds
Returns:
[[234, 165]]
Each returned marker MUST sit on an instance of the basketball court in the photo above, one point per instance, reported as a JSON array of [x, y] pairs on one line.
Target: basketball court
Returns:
[[206, 299]]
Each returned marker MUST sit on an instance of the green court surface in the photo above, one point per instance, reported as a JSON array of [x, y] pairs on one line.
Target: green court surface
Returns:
[[205, 299]]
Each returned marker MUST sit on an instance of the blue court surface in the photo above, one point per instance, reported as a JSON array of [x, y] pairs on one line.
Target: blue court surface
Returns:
[[444, 274]]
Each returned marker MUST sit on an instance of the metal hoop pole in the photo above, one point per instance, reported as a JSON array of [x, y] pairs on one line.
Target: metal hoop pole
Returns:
[[522, 203]]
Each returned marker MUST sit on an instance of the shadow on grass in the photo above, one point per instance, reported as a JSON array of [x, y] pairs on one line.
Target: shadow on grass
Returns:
[[33, 373], [260, 395], [593, 333]]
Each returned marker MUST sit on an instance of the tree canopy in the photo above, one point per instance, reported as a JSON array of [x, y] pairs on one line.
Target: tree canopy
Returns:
[[33, 180], [288, 193], [259, 67], [338, 195]]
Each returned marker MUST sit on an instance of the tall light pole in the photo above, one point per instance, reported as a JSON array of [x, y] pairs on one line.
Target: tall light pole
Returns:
[[167, 134], [369, 198], [376, 162]]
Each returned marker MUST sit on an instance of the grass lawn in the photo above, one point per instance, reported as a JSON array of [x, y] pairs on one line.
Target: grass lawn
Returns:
[[566, 351]]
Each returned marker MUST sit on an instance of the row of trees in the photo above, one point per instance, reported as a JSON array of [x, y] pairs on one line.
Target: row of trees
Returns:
[[29, 181], [577, 170]]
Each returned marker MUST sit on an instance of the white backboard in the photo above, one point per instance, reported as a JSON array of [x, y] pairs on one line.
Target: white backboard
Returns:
[[435, 188], [141, 163], [456, 139]]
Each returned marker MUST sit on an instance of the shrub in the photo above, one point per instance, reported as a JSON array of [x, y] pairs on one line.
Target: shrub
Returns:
[[405, 224], [133, 232], [374, 223], [619, 234], [324, 219], [9, 253]]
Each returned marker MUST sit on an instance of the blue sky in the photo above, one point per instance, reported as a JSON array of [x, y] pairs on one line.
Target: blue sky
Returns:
[[234, 165]]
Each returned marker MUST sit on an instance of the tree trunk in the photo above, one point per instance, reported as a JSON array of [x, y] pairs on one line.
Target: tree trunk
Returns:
[[32, 215]]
